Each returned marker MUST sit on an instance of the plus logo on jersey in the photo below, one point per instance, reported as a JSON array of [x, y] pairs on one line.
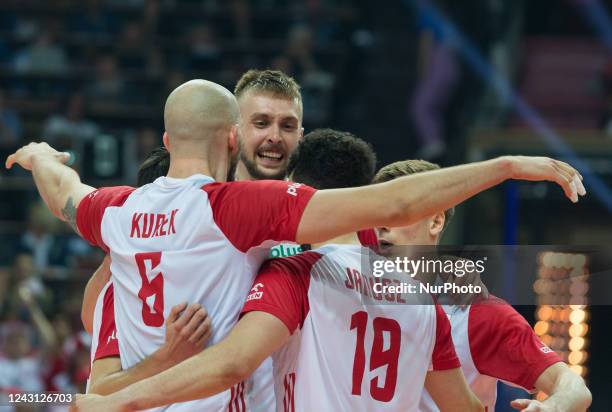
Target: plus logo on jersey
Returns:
[[546, 349], [255, 292], [292, 189]]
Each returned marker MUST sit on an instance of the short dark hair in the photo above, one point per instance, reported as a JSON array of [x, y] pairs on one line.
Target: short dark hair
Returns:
[[408, 167], [329, 159], [154, 166]]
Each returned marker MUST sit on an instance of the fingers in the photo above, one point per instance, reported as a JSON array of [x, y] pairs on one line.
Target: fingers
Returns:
[[63, 157], [10, 161], [175, 313], [202, 333], [565, 179], [574, 174], [526, 405], [190, 332], [185, 318], [520, 404]]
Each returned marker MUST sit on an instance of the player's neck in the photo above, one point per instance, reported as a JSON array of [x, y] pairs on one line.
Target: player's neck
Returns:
[[183, 168], [348, 239]]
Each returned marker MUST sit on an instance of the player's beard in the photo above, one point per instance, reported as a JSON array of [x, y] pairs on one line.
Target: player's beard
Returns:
[[257, 174]]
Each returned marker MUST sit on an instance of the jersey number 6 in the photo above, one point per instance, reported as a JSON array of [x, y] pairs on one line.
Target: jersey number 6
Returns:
[[151, 293], [378, 355]]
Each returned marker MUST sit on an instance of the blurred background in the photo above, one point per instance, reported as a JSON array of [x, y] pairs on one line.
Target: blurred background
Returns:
[[450, 81]]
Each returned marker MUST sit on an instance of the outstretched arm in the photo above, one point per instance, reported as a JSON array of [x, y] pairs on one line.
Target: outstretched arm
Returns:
[[58, 185], [212, 371], [187, 331], [566, 391], [406, 200]]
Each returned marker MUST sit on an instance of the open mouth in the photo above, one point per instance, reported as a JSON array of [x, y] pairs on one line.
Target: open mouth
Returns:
[[383, 244], [270, 157]]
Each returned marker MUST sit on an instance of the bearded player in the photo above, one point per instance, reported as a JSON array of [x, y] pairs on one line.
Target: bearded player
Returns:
[[222, 230]]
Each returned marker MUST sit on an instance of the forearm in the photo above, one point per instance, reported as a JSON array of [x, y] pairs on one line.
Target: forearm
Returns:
[[212, 371], [569, 394], [206, 374], [420, 195], [54, 182], [115, 381]]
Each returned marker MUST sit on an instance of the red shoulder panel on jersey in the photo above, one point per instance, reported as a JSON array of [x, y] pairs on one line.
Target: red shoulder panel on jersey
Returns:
[[504, 346], [444, 356], [91, 211], [108, 345], [368, 238], [250, 213], [281, 289]]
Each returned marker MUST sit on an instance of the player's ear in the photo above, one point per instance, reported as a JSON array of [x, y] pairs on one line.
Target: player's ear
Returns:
[[166, 141], [436, 224], [301, 133], [232, 141]]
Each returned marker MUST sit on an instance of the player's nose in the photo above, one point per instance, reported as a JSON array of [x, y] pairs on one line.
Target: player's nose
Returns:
[[275, 135]]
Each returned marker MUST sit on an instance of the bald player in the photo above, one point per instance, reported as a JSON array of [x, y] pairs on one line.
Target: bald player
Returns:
[[191, 237]]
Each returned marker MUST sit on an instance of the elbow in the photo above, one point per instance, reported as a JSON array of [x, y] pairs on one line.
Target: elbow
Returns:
[[99, 388], [236, 370], [475, 405], [585, 397], [86, 322], [397, 213]]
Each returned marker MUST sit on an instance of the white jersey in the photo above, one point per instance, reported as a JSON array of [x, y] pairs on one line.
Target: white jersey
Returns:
[[187, 240], [494, 342], [351, 349]]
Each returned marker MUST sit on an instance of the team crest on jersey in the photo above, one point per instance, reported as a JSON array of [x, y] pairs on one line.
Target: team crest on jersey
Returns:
[[255, 292], [546, 349]]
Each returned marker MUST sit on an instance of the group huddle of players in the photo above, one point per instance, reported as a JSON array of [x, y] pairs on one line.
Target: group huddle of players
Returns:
[[196, 316]]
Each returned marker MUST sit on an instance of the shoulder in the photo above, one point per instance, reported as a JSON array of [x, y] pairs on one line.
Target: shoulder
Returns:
[[110, 196], [300, 264], [494, 310]]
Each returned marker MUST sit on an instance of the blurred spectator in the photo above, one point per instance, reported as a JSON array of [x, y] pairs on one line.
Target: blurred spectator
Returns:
[[44, 56], [316, 84], [70, 127], [108, 84], [147, 140], [241, 18], [51, 249], [67, 367], [10, 125], [606, 85], [95, 21], [437, 72], [25, 274], [130, 49], [19, 363], [205, 53], [38, 240]]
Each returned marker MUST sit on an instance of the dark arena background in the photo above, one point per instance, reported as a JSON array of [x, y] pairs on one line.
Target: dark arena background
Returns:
[[451, 81]]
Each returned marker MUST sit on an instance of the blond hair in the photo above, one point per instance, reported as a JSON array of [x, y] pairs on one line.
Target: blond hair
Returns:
[[406, 168]]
